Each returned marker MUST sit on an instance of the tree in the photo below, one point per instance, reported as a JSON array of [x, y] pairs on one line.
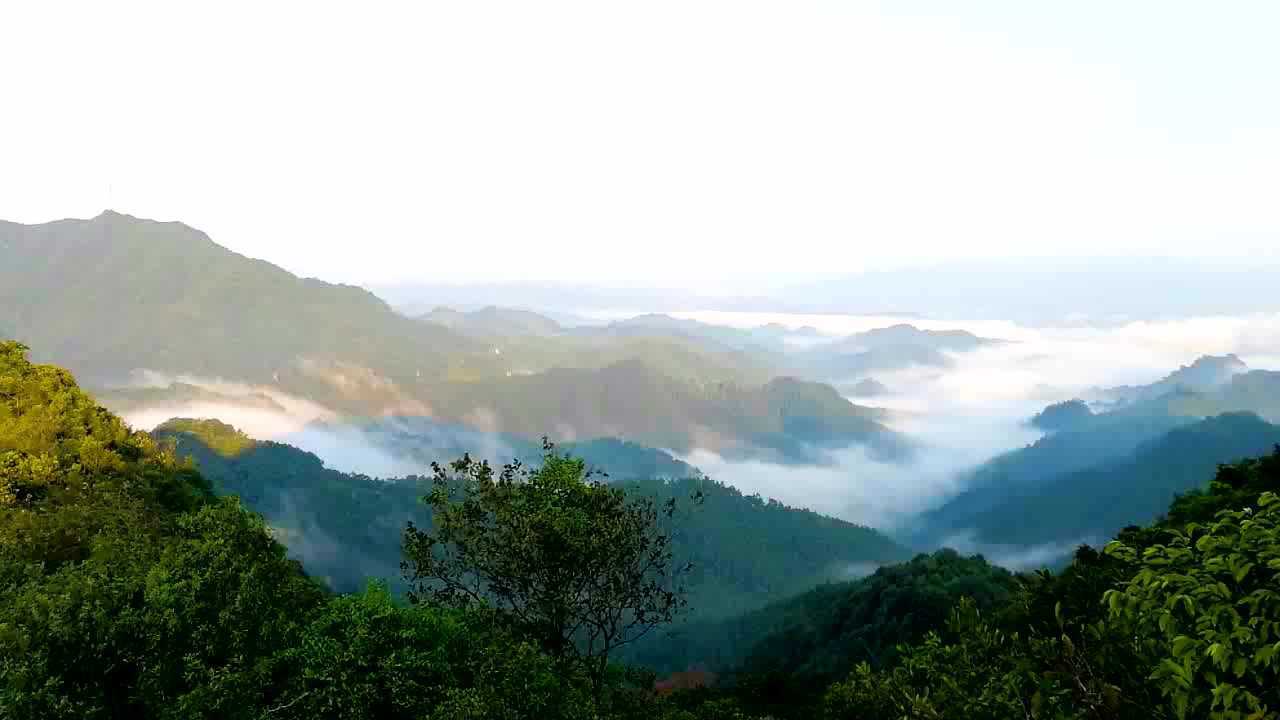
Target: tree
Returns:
[[573, 562], [1210, 597], [368, 656]]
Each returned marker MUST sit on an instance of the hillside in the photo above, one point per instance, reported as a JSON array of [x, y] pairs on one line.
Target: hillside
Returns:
[[1104, 438], [1095, 503], [346, 528], [1087, 443], [113, 295], [786, 419], [108, 295]]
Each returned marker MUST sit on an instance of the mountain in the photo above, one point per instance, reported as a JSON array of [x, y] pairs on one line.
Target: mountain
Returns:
[[907, 334], [1062, 416], [890, 348], [1211, 385], [1095, 503], [1104, 438], [1205, 375], [114, 295], [787, 419], [1214, 410], [346, 528], [493, 321]]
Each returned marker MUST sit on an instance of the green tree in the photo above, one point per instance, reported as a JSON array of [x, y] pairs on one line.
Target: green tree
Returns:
[[1210, 596], [366, 656], [577, 564]]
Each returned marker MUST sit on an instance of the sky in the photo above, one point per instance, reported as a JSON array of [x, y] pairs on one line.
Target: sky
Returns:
[[714, 146]]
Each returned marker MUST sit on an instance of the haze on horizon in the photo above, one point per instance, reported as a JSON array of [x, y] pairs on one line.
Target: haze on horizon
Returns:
[[710, 147]]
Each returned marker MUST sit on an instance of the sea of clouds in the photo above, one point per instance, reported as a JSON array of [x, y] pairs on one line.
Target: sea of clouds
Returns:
[[961, 415]]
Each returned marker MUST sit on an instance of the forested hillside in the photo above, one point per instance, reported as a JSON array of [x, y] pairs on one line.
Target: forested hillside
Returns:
[[744, 551], [1093, 473]]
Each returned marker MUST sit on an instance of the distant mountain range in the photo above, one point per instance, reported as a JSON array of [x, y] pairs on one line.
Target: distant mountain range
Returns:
[[113, 295], [1087, 291], [772, 348]]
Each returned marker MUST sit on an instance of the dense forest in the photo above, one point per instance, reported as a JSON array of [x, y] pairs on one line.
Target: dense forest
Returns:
[[130, 588]]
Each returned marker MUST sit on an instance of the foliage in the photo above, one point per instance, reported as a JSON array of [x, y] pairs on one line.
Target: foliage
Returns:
[[820, 635], [978, 676], [1211, 592], [1179, 619], [572, 561], [365, 656], [124, 588], [216, 435], [127, 590]]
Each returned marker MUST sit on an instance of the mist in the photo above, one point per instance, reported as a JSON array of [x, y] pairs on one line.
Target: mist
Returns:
[[977, 408], [959, 416]]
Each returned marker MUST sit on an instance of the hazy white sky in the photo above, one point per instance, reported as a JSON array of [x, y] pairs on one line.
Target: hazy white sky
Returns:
[[686, 143]]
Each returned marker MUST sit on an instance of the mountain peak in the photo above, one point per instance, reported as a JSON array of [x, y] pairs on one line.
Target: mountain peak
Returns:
[[1207, 372]]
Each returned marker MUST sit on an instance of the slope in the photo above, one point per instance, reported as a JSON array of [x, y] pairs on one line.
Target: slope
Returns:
[[346, 528], [114, 293]]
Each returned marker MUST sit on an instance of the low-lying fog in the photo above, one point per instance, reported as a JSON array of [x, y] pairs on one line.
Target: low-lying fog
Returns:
[[962, 415]]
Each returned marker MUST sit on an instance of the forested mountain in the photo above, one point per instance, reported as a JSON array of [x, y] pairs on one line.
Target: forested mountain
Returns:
[[745, 551], [115, 294], [1095, 472], [1095, 503], [1104, 438]]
